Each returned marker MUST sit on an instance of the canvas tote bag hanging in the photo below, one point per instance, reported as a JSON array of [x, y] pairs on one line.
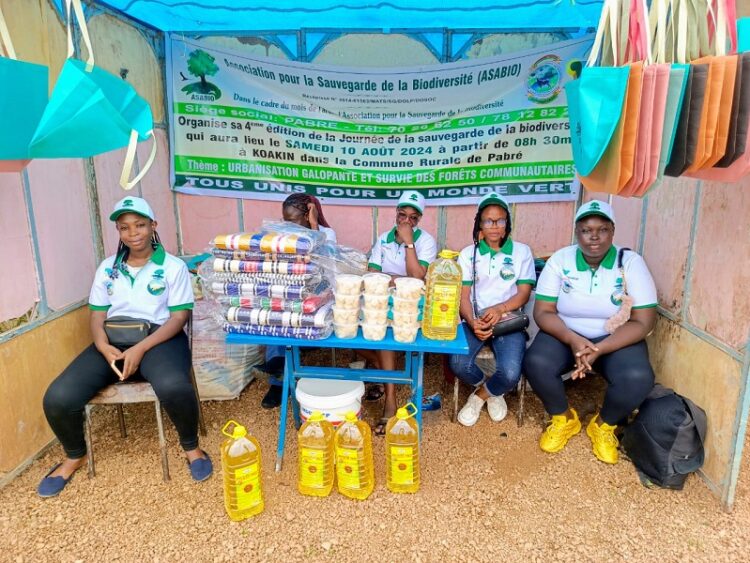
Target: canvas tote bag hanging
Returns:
[[23, 98], [595, 101], [92, 111]]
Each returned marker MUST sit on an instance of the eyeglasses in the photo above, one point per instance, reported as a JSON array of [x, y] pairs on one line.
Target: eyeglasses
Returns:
[[489, 223], [401, 216], [601, 232]]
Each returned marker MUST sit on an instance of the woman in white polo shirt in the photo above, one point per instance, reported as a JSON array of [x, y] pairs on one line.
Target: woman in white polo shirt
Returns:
[[404, 251], [140, 281], [580, 288], [498, 274]]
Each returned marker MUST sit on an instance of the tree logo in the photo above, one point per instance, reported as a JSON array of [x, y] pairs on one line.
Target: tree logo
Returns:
[[200, 64]]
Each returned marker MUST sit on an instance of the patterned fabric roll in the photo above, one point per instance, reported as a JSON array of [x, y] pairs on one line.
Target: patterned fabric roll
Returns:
[[308, 305], [266, 317], [258, 256], [265, 242], [309, 280], [260, 290], [305, 333], [268, 267]]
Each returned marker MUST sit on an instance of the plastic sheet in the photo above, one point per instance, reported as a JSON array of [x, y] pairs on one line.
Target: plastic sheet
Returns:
[[266, 317], [306, 333]]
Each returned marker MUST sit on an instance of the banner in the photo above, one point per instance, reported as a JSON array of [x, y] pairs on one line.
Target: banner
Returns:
[[261, 128]]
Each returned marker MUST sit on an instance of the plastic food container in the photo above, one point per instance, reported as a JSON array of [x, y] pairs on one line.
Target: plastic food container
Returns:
[[404, 318], [405, 333], [376, 283], [348, 284], [375, 301], [374, 331], [345, 330], [345, 315], [401, 305], [409, 288], [346, 301], [378, 316]]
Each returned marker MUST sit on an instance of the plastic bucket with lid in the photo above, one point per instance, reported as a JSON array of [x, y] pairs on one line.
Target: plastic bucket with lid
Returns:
[[333, 398]]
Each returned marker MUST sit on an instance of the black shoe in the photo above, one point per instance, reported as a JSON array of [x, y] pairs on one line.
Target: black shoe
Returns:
[[272, 399]]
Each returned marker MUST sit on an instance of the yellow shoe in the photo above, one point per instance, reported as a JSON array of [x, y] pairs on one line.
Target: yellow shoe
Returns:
[[603, 441], [559, 431]]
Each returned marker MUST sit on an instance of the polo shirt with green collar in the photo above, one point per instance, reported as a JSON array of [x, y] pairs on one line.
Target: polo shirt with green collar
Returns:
[[585, 297], [388, 256], [497, 273], [160, 287]]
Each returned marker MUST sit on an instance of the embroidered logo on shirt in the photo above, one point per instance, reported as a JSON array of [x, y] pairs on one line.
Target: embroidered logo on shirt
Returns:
[[618, 293], [507, 272], [157, 285]]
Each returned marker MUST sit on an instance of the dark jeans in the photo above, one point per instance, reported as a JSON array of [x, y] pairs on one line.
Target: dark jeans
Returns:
[[508, 351], [627, 371], [166, 367]]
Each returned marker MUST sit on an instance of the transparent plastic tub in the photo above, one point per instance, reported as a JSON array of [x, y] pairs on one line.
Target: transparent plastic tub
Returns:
[[378, 316], [374, 331], [347, 301], [345, 315], [401, 305], [405, 333], [376, 283], [345, 330], [348, 284], [375, 301], [409, 288]]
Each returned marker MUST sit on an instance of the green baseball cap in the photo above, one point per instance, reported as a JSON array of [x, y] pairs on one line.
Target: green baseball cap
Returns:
[[132, 204], [595, 207], [492, 199]]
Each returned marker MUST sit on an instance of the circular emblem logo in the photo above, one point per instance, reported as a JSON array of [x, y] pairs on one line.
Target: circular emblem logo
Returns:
[[156, 286], [566, 286], [616, 297], [543, 80], [507, 273]]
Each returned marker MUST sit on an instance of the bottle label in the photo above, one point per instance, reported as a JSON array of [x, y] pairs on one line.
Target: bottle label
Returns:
[[312, 467], [402, 465], [348, 468], [247, 487], [443, 310]]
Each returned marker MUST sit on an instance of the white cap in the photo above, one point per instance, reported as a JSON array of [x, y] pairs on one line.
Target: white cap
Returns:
[[132, 204], [412, 199], [595, 207], [492, 199]]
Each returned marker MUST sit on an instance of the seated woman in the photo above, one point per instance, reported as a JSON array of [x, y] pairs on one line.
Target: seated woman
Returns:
[[580, 289], [304, 210], [140, 281], [498, 274], [404, 251]]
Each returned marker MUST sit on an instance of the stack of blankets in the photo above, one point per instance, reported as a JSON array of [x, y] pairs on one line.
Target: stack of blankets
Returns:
[[269, 283]]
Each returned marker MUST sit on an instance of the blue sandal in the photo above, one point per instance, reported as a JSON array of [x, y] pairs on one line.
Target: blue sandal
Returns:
[[202, 468], [52, 486]]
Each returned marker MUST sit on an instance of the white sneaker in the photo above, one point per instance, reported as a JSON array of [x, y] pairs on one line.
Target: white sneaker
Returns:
[[497, 408], [469, 414]]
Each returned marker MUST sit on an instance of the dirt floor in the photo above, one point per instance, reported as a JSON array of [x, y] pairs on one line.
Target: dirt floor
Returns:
[[488, 493]]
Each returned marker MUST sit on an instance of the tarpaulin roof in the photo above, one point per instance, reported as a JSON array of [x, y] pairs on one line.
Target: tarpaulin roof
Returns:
[[212, 16]]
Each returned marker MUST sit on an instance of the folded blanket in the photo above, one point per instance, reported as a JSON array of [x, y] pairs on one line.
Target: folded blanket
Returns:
[[258, 256], [265, 242], [267, 267], [304, 333], [265, 317], [307, 305]]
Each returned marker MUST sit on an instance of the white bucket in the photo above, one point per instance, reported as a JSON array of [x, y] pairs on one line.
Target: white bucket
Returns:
[[333, 398]]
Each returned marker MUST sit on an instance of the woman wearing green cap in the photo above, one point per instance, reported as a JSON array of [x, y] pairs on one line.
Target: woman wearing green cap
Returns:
[[498, 274], [595, 304], [141, 282], [404, 251]]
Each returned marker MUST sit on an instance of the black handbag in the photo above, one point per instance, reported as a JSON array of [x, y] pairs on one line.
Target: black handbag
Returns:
[[126, 331], [513, 321]]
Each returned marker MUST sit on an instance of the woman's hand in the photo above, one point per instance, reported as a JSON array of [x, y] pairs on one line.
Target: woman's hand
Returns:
[[110, 353], [582, 349], [493, 314], [132, 358], [481, 329]]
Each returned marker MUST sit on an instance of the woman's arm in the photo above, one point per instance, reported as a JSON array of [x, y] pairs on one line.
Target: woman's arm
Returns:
[[496, 312], [101, 342]]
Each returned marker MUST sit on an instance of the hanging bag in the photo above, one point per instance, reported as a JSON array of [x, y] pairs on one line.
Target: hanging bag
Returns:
[[595, 103], [23, 98], [92, 111]]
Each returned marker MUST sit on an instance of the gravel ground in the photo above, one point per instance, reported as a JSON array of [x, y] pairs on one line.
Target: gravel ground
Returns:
[[487, 493]]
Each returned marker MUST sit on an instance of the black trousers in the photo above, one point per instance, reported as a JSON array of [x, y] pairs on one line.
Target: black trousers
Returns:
[[166, 367], [628, 373]]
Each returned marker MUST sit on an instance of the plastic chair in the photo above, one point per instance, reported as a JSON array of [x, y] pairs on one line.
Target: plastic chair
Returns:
[[128, 392]]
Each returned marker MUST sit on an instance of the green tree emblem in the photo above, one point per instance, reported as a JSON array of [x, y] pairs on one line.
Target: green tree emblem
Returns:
[[201, 64]]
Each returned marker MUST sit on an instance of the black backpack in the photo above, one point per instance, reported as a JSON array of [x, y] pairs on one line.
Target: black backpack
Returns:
[[665, 440]]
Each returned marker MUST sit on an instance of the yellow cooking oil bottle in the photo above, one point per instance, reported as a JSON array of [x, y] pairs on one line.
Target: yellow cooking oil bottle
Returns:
[[442, 298], [315, 455], [402, 451], [355, 471], [241, 465]]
